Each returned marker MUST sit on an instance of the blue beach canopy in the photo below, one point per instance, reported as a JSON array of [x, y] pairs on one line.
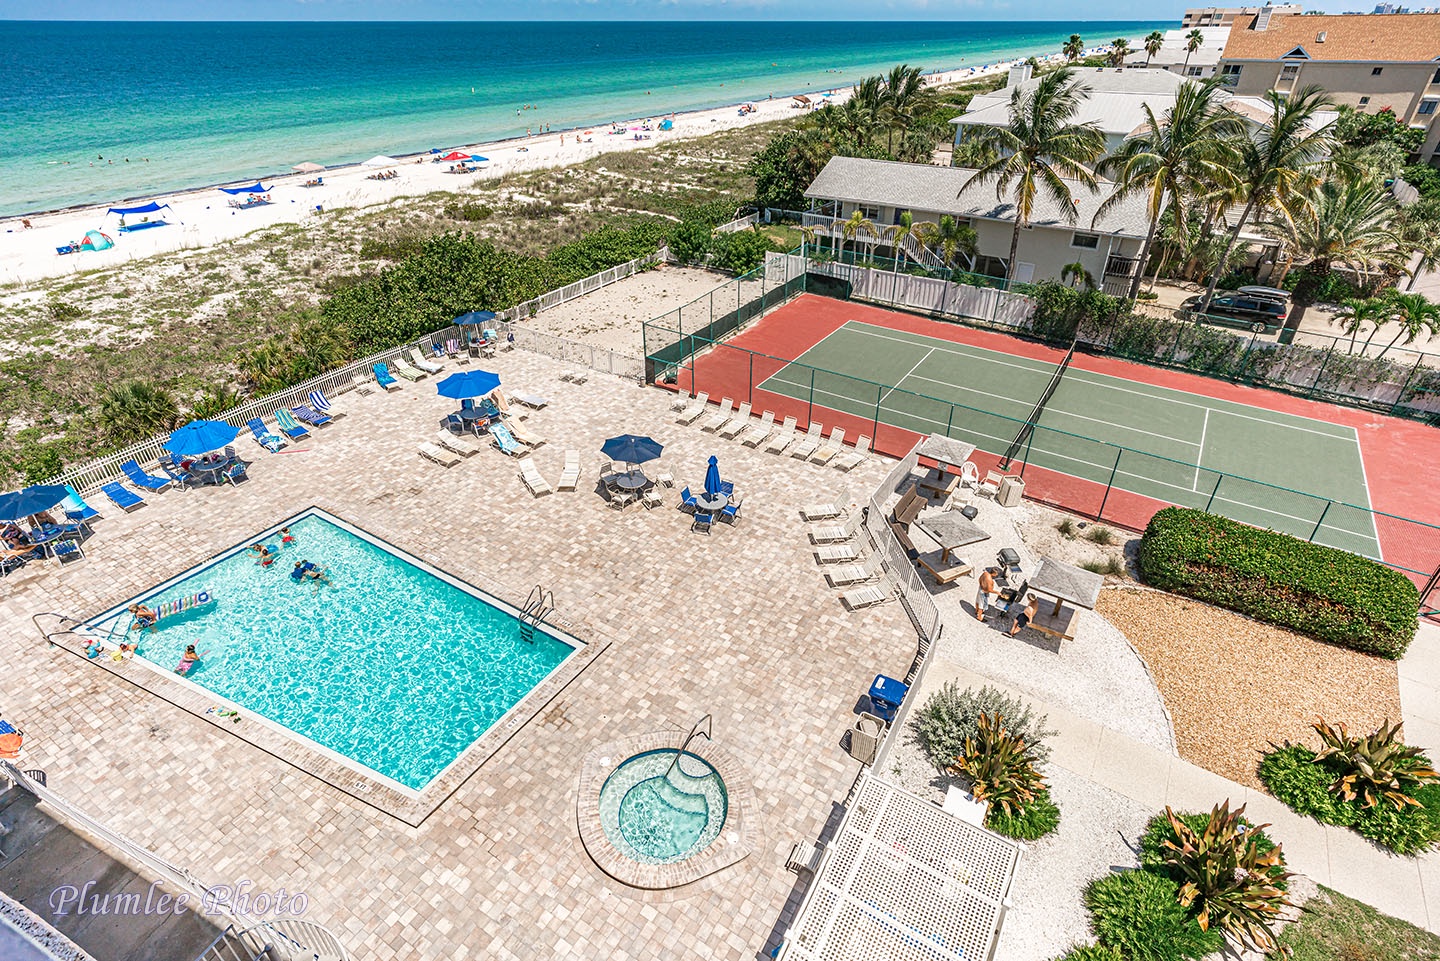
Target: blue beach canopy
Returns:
[[201, 437], [471, 383], [712, 478], [31, 500], [149, 208], [475, 317], [478, 159], [256, 188], [631, 449]]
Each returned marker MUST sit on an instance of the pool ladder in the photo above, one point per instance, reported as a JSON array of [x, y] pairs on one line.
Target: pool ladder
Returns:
[[537, 607]]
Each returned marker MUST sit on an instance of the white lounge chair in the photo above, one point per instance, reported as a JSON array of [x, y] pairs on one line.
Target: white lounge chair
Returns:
[[851, 459], [782, 437], [697, 407], [831, 447], [570, 473], [835, 553], [722, 416], [680, 401], [829, 533], [854, 573], [663, 476], [736, 424], [462, 444], [429, 366], [757, 434], [533, 479], [405, 370], [442, 457], [523, 435], [533, 401], [652, 498], [810, 443], [824, 512], [869, 594]]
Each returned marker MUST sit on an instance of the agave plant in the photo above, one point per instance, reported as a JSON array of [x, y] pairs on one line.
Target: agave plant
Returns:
[[1000, 767], [1223, 873], [1378, 765]]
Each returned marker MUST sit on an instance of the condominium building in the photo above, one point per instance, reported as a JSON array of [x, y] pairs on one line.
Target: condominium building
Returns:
[[1175, 55], [1224, 16]]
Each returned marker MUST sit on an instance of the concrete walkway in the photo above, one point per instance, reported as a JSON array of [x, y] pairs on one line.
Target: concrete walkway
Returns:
[[1407, 888]]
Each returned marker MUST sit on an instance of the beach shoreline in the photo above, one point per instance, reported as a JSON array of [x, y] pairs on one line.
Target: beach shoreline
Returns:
[[202, 217]]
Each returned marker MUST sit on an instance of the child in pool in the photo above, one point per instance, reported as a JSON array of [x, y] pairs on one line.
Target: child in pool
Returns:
[[263, 557], [187, 660], [144, 617], [287, 539]]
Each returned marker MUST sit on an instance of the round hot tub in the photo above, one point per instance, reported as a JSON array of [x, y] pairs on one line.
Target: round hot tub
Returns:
[[657, 809]]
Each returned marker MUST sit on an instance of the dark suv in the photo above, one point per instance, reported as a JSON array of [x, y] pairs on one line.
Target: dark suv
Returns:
[[1254, 308]]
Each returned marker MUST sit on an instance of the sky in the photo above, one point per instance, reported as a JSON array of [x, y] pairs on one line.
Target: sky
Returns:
[[586, 10]]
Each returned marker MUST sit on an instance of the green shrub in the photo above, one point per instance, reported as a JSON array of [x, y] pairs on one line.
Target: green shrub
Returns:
[[741, 251], [1100, 535], [1033, 821], [1407, 830], [1329, 594], [1138, 913], [951, 715], [1158, 831], [1292, 775], [1091, 952]]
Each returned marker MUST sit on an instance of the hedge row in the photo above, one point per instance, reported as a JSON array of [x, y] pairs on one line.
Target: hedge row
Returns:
[[1329, 594]]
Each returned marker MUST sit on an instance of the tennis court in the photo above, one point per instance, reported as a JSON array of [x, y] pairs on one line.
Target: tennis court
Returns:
[[1156, 442]]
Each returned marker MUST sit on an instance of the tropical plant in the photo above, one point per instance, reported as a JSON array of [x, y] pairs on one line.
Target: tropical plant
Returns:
[[1375, 767], [1194, 40], [904, 99], [902, 230], [1414, 314], [857, 226], [951, 716], [215, 401], [1092, 952], [1353, 313], [785, 166], [1138, 913], [1278, 165], [950, 238], [135, 409], [1226, 877], [1421, 227], [1039, 148], [1000, 767], [1154, 40], [1119, 50], [1075, 275], [1073, 47], [1181, 154]]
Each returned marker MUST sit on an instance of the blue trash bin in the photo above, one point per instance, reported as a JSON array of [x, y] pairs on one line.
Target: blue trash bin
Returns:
[[886, 693]]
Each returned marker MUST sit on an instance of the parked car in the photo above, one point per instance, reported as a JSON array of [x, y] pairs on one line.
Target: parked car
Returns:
[[1254, 308]]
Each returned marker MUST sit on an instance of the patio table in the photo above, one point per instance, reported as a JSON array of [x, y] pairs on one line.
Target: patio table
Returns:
[[631, 480], [951, 531], [711, 504], [1064, 582]]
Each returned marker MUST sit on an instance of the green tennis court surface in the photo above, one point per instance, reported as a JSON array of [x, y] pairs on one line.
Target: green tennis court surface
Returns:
[[1181, 448]]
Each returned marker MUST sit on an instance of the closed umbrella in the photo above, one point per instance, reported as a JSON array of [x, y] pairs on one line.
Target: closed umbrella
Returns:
[[471, 383], [712, 478], [201, 437], [31, 500], [631, 449]]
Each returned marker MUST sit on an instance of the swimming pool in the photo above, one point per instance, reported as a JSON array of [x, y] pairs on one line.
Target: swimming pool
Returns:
[[394, 666]]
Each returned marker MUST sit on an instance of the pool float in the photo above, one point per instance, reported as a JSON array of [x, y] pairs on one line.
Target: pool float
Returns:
[[171, 608], [10, 741]]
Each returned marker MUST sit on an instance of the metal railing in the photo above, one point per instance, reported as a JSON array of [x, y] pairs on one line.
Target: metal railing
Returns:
[[914, 596]]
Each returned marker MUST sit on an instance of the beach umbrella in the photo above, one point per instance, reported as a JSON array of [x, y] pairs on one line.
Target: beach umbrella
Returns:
[[201, 437], [476, 158], [31, 500], [308, 168], [470, 383], [631, 449], [712, 478], [475, 317], [456, 155]]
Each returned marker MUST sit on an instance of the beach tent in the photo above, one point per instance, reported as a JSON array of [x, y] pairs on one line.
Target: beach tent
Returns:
[[667, 124], [380, 161], [476, 158], [143, 211], [456, 155], [95, 240], [255, 188], [801, 98], [308, 168], [151, 208]]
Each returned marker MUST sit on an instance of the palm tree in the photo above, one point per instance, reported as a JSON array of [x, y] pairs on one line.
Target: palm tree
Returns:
[[1171, 159], [1354, 313], [905, 98], [1073, 48], [1075, 275], [902, 230], [1039, 148], [1422, 233], [1154, 40], [1194, 40], [1277, 166], [950, 238], [856, 227], [1119, 50], [1346, 222], [1415, 315], [135, 409]]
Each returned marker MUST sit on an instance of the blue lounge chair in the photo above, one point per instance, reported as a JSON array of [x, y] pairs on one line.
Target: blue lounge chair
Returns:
[[235, 473], [384, 379], [310, 415], [505, 441], [262, 435], [320, 402], [687, 500], [122, 497], [288, 426], [145, 481], [66, 551], [702, 521], [75, 507]]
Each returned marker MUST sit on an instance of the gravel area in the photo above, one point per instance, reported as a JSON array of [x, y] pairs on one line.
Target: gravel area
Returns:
[[1234, 685], [1097, 675]]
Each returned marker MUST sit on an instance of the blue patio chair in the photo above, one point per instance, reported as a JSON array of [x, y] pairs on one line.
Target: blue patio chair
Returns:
[[384, 378], [75, 507], [730, 513], [67, 550], [454, 423], [288, 426], [139, 478], [310, 415], [702, 522], [175, 472], [687, 500], [727, 488], [262, 435], [235, 473], [122, 497]]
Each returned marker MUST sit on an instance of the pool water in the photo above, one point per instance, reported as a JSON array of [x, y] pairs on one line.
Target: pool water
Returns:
[[657, 814], [392, 666]]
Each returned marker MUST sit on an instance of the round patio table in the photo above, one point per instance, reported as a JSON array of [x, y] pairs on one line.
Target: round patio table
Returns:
[[715, 503], [632, 480]]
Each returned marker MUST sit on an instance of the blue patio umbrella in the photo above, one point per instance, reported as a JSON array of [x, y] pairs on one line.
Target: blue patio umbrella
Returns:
[[470, 383], [201, 437], [31, 500], [712, 478], [631, 449], [475, 317]]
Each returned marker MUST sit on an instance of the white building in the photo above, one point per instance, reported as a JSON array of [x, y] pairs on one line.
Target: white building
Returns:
[[1176, 57]]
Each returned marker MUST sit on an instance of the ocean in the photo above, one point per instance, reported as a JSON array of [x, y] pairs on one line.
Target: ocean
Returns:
[[100, 112]]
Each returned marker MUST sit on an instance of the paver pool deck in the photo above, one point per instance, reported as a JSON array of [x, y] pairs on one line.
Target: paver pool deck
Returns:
[[739, 624]]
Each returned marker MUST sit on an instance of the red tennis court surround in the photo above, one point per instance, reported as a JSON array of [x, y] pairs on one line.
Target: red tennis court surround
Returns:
[[1398, 455]]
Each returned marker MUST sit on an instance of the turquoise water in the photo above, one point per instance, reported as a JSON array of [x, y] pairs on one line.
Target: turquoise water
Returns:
[[656, 814], [99, 112], [389, 665]]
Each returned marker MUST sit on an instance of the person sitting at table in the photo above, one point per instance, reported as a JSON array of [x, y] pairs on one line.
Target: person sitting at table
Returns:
[[14, 537], [1032, 607]]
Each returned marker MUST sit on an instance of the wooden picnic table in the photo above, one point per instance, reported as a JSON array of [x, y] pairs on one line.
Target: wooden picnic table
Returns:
[[1064, 582]]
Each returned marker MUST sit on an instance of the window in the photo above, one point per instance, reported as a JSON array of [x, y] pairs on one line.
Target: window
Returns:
[[1375, 71], [870, 213], [1427, 107], [1436, 78], [1233, 70], [1087, 241], [1364, 101], [1290, 70], [1193, 71]]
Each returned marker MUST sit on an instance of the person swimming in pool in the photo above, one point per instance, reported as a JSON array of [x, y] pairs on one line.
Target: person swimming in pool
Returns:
[[287, 539], [144, 617], [263, 557], [187, 660]]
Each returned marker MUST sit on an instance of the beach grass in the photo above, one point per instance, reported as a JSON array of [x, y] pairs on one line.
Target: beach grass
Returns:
[[1333, 927]]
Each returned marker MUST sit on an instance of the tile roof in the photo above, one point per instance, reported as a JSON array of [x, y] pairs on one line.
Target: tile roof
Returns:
[[1389, 38], [923, 187]]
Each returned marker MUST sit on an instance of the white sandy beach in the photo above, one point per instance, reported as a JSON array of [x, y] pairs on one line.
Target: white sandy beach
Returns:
[[202, 218]]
